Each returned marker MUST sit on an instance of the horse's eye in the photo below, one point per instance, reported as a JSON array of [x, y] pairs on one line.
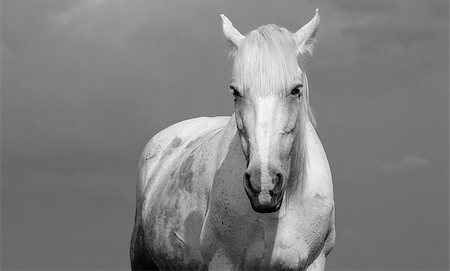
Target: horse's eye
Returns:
[[235, 92], [296, 91]]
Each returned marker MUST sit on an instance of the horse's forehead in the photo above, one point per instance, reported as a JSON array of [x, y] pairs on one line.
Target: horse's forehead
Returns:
[[266, 71], [267, 56]]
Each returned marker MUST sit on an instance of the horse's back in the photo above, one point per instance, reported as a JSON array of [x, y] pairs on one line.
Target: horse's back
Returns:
[[171, 191]]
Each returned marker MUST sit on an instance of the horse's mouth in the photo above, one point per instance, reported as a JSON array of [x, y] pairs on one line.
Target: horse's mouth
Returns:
[[273, 206]]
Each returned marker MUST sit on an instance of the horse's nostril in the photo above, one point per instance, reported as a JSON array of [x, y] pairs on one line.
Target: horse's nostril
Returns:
[[278, 183], [279, 177], [247, 177], [248, 183]]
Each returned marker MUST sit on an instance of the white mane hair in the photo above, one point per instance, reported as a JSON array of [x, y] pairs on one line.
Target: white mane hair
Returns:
[[268, 62]]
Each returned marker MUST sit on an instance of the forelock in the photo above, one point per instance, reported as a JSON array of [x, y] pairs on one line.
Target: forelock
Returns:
[[266, 60]]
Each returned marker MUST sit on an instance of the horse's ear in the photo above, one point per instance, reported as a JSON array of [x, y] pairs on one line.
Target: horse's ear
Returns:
[[232, 34], [305, 37]]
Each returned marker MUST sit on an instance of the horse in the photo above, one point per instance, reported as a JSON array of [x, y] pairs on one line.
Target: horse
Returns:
[[248, 191]]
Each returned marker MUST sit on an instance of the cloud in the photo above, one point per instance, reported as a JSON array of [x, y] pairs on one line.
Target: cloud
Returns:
[[108, 22], [378, 34], [383, 26], [406, 163], [378, 48], [115, 23], [365, 6]]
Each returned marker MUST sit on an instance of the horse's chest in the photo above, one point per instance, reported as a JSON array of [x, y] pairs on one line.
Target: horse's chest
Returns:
[[289, 246], [299, 243], [289, 243]]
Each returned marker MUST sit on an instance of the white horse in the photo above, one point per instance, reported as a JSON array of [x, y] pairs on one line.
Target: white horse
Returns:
[[250, 191]]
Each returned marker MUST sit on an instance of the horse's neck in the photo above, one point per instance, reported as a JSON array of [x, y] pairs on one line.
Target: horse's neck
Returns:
[[317, 180]]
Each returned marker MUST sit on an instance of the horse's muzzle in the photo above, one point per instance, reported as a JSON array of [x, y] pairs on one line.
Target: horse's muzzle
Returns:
[[266, 204], [264, 200]]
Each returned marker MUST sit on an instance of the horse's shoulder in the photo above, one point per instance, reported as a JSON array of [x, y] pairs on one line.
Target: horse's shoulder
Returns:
[[172, 141], [319, 172]]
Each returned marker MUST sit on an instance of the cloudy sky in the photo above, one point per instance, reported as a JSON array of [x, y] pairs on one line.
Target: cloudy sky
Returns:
[[85, 84]]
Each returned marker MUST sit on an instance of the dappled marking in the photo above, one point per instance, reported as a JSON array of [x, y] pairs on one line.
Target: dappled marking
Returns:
[[175, 142], [186, 174], [193, 227]]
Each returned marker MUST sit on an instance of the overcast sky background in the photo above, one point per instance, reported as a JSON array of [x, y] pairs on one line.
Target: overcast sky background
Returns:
[[86, 83]]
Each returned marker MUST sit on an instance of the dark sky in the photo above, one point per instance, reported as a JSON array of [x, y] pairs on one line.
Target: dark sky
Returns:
[[85, 84]]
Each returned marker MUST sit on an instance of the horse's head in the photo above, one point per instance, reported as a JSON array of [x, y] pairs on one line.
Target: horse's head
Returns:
[[271, 107]]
